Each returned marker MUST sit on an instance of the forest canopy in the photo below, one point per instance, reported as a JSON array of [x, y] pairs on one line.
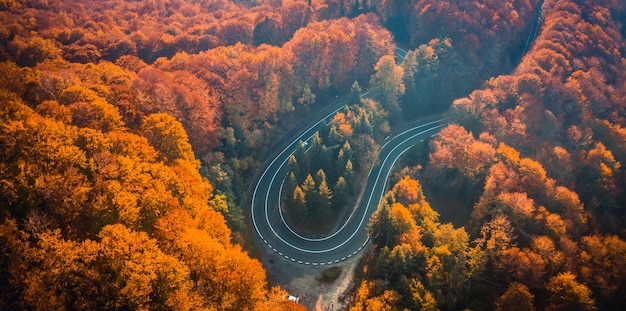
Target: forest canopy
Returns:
[[534, 161], [130, 132]]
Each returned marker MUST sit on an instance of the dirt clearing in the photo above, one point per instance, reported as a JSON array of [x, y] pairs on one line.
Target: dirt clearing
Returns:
[[306, 281]]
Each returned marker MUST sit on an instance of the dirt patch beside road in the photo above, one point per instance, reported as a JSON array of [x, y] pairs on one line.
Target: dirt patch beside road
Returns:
[[304, 281]]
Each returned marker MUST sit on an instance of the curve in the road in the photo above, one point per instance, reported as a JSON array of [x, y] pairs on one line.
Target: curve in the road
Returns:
[[351, 236], [294, 232]]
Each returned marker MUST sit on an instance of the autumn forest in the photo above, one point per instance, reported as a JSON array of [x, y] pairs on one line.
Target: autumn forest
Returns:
[[131, 133]]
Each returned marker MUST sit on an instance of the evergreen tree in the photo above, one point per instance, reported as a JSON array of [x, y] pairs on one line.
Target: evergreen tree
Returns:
[[320, 176], [299, 206], [302, 158], [355, 94], [381, 228], [333, 135], [320, 156], [290, 186], [293, 167], [340, 193], [345, 154], [348, 173], [310, 193], [316, 153], [324, 197], [320, 199]]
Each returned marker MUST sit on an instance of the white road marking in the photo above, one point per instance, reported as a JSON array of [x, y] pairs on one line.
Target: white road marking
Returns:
[[369, 200]]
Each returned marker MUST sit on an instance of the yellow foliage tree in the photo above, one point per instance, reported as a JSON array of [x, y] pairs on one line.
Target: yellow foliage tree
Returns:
[[168, 136]]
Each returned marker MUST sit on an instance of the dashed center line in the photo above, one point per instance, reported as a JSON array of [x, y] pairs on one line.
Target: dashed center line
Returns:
[[361, 225]]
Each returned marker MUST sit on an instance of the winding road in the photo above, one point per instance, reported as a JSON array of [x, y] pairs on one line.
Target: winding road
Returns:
[[350, 237]]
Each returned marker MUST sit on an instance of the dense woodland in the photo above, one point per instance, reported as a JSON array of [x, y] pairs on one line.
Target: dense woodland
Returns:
[[535, 160], [323, 173], [131, 130]]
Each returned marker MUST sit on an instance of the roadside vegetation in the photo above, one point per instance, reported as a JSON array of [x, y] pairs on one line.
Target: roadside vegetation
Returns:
[[130, 132], [533, 166], [326, 172]]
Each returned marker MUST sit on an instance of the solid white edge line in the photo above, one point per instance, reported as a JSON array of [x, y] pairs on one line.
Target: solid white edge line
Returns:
[[256, 188], [369, 201]]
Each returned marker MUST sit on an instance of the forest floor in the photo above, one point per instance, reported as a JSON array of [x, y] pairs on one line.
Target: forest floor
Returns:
[[305, 281]]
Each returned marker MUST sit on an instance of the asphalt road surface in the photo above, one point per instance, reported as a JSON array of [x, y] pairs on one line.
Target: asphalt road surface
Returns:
[[350, 237]]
